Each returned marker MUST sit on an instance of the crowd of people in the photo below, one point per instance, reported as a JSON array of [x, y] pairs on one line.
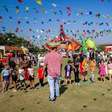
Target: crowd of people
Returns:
[[23, 71]]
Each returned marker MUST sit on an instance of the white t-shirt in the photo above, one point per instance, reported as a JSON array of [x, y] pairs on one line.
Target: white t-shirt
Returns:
[[5, 72], [21, 71], [30, 71], [21, 74]]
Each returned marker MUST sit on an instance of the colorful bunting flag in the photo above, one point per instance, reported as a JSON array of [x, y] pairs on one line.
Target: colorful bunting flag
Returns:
[[6, 9], [20, 1], [17, 9], [26, 8]]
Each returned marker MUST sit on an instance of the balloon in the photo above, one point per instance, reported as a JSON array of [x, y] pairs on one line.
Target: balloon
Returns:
[[39, 2]]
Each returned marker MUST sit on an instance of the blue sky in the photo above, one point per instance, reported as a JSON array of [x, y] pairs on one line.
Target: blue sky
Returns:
[[47, 20]]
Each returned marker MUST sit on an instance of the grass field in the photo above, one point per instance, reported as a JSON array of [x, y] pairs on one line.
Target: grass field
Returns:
[[88, 97]]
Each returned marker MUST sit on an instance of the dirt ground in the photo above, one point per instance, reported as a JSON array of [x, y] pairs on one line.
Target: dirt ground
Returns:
[[87, 97]]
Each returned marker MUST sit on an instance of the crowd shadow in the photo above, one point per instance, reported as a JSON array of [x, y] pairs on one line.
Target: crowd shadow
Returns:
[[99, 79], [44, 84], [63, 88]]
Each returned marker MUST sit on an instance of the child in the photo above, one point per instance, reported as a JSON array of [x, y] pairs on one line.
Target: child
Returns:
[[14, 78], [1, 68], [68, 69], [21, 77], [92, 66], [109, 67], [102, 70], [41, 75], [84, 69], [31, 76], [5, 77], [76, 70], [35, 69]]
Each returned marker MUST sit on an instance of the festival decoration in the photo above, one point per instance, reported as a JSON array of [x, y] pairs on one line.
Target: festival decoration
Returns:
[[60, 11], [10, 17], [27, 9], [17, 30], [19, 22], [69, 11], [90, 13], [17, 9], [43, 10], [6, 9], [95, 33], [1, 18], [20, 1], [84, 48], [27, 22], [54, 5]]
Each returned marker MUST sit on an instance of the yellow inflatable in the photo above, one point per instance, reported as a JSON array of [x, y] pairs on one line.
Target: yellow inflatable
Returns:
[[90, 43]]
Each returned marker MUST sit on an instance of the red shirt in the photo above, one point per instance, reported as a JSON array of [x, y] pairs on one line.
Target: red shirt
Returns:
[[40, 73]]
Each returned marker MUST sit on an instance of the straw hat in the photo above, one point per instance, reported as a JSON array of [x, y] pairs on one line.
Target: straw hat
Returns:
[[53, 44]]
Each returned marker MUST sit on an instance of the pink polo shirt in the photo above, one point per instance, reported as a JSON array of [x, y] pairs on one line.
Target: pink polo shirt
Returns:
[[53, 62]]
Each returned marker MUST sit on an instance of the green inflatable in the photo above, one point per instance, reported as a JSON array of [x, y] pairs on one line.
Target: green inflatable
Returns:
[[90, 43]]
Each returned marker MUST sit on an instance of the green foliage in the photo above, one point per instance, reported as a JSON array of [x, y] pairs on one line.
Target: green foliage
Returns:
[[10, 39]]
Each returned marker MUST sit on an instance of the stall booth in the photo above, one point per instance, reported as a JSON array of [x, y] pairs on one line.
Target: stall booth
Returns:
[[108, 49], [6, 52]]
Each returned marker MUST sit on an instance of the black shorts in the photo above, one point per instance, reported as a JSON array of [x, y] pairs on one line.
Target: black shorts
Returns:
[[31, 78], [14, 77]]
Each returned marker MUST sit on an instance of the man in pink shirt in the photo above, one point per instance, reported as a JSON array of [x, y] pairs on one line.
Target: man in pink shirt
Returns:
[[53, 62]]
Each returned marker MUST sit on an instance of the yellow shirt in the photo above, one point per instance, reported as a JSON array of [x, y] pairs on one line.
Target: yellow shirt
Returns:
[[92, 65]]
